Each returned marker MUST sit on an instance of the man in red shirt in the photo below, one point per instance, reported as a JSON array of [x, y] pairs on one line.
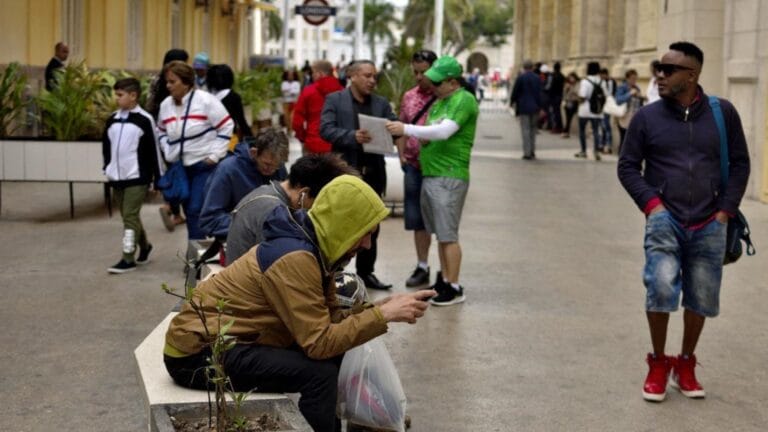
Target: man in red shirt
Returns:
[[306, 113], [413, 110]]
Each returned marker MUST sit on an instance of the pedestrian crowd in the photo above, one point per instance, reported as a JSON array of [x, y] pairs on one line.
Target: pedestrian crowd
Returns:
[[545, 99], [285, 235], [683, 159]]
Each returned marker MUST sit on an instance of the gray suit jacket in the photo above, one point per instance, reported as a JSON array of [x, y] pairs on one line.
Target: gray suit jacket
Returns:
[[337, 124]]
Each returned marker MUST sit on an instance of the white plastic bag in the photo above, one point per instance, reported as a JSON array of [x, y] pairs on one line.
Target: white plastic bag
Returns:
[[370, 392]]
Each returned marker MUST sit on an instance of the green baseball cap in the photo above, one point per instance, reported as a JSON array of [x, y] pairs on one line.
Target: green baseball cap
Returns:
[[443, 68]]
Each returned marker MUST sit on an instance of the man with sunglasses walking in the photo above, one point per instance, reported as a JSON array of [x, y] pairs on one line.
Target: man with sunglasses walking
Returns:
[[448, 135], [670, 166]]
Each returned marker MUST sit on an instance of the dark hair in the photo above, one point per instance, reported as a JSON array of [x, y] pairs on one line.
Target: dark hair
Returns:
[[593, 68], [690, 50], [424, 56], [175, 54], [220, 77], [557, 66], [182, 70], [629, 73], [317, 170], [130, 85], [272, 139], [604, 71], [574, 75], [355, 64]]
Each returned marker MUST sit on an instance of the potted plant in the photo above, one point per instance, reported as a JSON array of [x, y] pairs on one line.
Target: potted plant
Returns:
[[259, 88]]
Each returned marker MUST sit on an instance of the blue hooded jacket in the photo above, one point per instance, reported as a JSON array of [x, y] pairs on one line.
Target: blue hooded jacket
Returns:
[[672, 153], [234, 178]]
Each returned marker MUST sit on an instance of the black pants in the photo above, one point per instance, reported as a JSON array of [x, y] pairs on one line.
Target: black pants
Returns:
[[272, 370], [375, 174]]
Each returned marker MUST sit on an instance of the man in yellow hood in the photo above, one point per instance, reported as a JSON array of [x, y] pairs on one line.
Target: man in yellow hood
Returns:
[[289, 329]]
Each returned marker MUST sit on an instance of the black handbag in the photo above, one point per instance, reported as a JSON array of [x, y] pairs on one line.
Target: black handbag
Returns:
[[738, 228]]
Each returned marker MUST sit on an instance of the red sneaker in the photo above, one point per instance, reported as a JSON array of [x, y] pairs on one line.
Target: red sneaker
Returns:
[[684, 377], [655, 388]]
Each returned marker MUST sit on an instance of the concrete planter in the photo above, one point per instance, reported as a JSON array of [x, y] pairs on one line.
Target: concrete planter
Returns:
[[28, 160], [284, 411]]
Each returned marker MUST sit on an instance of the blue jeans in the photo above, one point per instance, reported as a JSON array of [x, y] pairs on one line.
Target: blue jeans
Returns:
[[412, 201], [595, 122], [607, 132], [678, 260], [198, 175]]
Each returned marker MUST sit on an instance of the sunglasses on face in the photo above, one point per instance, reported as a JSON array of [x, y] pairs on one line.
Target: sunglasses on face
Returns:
[[436, 83], [669, 68], [424, 56]]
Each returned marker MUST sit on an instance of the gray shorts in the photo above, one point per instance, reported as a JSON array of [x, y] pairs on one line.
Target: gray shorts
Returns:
[[442, 200]]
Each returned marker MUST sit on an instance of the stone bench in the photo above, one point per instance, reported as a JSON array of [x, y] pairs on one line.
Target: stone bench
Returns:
[[160, 391]]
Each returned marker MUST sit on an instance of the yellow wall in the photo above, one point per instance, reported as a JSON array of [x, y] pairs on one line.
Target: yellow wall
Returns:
[[31, 28]]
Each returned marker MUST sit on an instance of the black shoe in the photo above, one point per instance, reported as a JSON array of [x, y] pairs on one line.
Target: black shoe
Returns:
[[580, 155], [419, 278], [439, 284], [122, 266], [372, 282], [144, 255], [448, 296]]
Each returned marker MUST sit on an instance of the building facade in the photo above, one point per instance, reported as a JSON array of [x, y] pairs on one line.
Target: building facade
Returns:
[[629, 34], [124, 34]]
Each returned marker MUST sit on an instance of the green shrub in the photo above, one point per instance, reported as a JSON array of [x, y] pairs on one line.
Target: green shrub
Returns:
[[12, 101]]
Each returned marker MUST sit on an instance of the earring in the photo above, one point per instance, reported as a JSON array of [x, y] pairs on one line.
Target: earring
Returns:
[[301, 200]]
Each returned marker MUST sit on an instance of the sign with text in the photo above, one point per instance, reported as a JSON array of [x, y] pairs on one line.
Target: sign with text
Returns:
[[315, 12]]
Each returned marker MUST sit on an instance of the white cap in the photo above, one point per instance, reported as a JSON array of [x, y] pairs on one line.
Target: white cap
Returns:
[[544, 69]]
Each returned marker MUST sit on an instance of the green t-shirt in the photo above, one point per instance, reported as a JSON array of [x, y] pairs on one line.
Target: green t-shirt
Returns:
[[450, 157]]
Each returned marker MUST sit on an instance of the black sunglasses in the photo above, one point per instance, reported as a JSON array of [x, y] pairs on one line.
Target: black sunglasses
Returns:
[[436, 83], [425, 56], [669, 68]]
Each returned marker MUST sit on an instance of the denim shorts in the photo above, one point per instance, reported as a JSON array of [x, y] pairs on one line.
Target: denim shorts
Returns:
[[442, 201], [412, 200], [680, 260]]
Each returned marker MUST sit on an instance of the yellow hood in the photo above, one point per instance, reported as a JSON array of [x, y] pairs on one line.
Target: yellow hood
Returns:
[[344, 211]]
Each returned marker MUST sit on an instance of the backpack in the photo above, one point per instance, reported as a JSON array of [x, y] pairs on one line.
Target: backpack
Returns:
[[597, 98]]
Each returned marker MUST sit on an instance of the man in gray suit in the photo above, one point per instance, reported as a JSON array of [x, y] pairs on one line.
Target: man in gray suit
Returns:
[[339, 126]]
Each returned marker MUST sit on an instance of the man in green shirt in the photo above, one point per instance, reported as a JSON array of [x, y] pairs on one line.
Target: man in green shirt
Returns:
[[448, 136]]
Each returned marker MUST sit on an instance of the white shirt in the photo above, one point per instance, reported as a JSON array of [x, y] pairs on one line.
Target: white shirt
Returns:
[[653, 91], [290, 90], [585, 91]]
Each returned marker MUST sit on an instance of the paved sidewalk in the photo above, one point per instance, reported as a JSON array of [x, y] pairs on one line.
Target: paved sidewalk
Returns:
[[552, 336]]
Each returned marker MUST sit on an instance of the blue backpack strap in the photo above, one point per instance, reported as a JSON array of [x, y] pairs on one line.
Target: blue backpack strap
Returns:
[[714, 103]]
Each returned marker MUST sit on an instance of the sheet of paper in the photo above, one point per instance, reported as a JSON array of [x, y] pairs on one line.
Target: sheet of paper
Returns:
[[381, 139]]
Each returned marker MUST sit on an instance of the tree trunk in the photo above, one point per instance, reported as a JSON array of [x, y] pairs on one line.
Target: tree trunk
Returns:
[[372, 41]]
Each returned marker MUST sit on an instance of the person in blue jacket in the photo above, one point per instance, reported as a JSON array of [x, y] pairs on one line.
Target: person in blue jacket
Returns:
[[526, 98], [256, 162], [670, 166]]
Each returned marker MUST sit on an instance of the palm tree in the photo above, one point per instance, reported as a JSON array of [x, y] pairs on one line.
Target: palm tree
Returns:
[[420, 21], [377, 18]]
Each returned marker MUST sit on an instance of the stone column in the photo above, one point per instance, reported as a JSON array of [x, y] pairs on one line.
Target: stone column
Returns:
[[546, 30], [595, 28], [562, 30]]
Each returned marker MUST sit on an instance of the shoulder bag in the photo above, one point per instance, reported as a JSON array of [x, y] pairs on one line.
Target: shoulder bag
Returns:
[[174, 184], [738, 228]]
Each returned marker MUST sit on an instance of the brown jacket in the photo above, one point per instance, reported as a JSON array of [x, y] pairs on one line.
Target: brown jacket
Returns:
[[292, 302]]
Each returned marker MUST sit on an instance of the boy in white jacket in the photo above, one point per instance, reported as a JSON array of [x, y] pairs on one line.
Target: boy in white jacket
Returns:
[[131, 164]]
